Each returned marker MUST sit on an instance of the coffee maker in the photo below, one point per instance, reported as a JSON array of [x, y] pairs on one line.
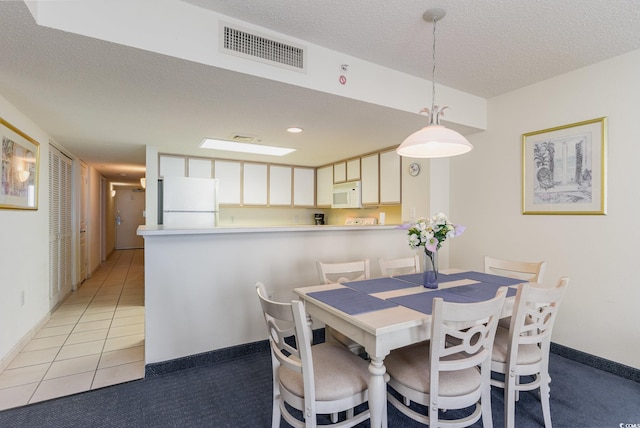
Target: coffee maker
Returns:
[[319, 218]]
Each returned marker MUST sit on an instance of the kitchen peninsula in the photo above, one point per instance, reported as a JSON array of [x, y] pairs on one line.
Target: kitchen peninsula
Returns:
[[200, 283]]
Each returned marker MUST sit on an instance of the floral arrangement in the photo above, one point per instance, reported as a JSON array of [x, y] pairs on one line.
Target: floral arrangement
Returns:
[[432, 232]]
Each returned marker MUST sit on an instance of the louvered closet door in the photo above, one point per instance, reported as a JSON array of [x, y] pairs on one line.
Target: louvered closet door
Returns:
[[60, 206]]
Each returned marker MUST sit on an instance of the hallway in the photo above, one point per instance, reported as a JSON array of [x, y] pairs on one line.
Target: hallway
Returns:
[[94, 339]]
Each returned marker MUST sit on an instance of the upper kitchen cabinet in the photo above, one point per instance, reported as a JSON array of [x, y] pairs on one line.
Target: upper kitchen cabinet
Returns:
[[340, 172], [199, 168], [324, 186], [353, 169], [172, 166], [280, 185], [370, 179], [390, 184], [229, 178], [254, 188], [303, 187]]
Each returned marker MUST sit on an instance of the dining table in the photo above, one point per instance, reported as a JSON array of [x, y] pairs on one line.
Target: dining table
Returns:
[[383, 314]]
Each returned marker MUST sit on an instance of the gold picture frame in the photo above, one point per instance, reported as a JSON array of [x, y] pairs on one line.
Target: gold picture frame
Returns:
[[19, 166], [564, 169]]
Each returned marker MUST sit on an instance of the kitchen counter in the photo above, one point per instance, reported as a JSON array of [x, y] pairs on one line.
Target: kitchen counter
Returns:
[[200, 283], [162, 230]]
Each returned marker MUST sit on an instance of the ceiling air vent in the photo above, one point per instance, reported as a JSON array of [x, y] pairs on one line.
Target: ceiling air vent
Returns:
[[261, 48]]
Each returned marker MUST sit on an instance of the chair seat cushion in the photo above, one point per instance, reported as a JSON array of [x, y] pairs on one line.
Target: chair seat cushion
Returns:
[[338, 373], [527, 353], [410, 367]]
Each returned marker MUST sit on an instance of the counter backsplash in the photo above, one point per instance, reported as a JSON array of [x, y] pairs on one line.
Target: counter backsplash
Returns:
[[274, 216]]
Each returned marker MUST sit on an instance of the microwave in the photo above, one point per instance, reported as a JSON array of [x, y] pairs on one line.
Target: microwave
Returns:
[[347, 195]]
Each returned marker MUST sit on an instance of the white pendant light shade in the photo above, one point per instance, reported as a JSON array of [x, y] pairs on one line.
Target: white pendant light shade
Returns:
[[434, 141]]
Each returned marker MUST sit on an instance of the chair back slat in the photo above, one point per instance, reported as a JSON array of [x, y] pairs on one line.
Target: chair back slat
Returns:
[[529, 271], [343, 272], [284, 338], [462, 334], [403, 266], [535, 312]]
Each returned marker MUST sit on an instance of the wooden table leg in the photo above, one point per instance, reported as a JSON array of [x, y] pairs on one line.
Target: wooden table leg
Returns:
[[377, 392]]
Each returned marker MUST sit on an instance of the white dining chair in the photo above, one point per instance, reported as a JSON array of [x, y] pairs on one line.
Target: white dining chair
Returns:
[[323, 379], [343, 271], [402, 266], [443, 375], [528, 271], [523, 349]]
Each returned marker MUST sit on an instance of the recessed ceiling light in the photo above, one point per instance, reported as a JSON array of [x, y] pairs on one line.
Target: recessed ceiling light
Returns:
[[294, 130], [232, 146]]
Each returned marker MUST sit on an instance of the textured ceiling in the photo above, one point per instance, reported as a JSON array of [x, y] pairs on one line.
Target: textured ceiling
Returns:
[[485, 47], [104, 102]]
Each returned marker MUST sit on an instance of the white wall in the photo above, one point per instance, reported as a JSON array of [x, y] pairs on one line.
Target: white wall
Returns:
[[599, 253], [216, 306], [94, 228], [24, 250]]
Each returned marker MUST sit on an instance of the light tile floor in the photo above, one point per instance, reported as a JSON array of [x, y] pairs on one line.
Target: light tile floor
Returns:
[[94, 339]]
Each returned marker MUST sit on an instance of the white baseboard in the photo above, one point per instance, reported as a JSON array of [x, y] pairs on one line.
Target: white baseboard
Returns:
[[7, 359]]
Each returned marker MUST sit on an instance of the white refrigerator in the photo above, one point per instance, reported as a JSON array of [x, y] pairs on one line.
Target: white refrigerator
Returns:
[[190, 202]]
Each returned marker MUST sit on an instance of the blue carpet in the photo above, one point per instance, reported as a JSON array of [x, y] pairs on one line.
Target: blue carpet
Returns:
[[237, 393]]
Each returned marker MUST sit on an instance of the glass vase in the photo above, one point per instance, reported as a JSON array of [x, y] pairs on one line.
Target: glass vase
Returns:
[[430, 274]]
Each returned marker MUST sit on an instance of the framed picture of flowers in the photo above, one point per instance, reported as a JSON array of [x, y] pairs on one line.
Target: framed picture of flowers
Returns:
[[564, 169], [18, 169]]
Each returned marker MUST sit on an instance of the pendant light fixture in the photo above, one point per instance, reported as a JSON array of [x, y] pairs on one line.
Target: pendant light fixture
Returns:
[[434, 140]]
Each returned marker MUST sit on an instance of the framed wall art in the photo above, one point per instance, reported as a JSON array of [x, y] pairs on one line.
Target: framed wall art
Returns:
[[18, 169], [564, 169]]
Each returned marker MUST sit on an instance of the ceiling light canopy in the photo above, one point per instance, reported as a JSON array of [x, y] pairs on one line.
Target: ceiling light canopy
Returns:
[[434, 140], [294, 130], [232, 146]]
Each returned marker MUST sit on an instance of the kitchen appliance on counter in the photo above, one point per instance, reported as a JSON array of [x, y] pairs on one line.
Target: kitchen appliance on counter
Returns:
[[347, 195], [319, 218], [190, 202]]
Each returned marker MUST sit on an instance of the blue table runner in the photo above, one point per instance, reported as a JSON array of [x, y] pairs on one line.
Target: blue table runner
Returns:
[[478, 292], [488, 277], [378, 285], [416, 278], [351, 301]]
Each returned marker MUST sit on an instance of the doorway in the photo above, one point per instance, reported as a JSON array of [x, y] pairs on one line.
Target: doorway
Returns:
[[129, 209]]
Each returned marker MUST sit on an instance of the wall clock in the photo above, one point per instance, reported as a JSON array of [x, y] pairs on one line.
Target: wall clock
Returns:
[[414, 169]]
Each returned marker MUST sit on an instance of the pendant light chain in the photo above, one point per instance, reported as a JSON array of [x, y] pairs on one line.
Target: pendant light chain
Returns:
[[433, 73], [434, 140]]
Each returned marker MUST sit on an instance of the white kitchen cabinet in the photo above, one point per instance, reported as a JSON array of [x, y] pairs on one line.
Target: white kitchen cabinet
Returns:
[[340, 172], [390, 189], [370, 179], [324, 186], [199, 168], [303, 187], [280, 185], [353, 169], [172, 166], [254, 187], [229, 180]]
